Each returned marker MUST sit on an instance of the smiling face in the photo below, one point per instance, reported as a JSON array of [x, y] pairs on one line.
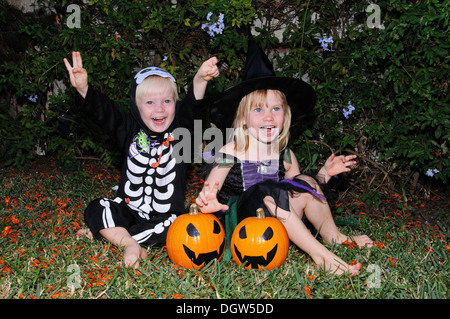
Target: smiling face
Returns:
[[263, 116], [265, 120], [156, 99]]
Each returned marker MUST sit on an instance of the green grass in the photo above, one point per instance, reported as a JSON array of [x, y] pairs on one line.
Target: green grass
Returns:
[[41, 258]]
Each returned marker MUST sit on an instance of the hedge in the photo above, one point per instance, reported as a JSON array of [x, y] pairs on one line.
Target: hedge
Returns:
[[380, 71]]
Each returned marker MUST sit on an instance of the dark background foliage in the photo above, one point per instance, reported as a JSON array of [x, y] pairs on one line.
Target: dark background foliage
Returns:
[[395, 76]]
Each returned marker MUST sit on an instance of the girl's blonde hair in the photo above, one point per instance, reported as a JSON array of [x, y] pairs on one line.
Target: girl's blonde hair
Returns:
[[156, 84], [250, 101]]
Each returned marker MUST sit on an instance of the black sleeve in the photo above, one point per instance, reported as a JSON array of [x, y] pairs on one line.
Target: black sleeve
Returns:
[[108, 114]]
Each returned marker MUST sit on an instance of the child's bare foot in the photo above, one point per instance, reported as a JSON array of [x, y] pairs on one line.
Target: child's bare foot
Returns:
[[335, 265], [132, 253], [84, 233], [361, 241], [354, 270]]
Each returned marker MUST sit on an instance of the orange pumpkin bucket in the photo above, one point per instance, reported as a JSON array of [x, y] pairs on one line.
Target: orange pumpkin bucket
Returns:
[[194, 239], [259, 242]]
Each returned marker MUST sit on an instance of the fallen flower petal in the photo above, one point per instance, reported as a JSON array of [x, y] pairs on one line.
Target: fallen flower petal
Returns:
[[7, 230], [350, 244], [308, 291], [15, 220]]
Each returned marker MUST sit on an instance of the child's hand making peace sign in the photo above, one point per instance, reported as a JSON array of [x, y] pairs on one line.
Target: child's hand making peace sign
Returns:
[[78, 75]]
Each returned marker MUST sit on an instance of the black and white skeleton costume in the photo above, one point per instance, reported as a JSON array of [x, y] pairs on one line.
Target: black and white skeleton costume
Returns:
[[151, 188]]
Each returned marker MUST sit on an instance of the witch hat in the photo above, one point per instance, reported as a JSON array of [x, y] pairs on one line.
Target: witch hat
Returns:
[[259, 74]]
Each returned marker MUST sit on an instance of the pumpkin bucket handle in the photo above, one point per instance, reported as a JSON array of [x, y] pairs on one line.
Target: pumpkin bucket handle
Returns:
[[193, 209], [260, 213]]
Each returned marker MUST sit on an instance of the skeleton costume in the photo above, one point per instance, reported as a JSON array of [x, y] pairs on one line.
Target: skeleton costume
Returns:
[[151, 188]]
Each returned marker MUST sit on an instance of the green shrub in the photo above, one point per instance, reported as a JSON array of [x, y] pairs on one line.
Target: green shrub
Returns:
[[395, 78], [116, 39]]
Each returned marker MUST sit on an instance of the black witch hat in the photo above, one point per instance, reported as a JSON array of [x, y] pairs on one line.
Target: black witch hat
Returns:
[[259, 74]]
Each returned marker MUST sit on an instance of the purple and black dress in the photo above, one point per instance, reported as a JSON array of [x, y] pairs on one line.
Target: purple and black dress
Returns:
[[249, 182]]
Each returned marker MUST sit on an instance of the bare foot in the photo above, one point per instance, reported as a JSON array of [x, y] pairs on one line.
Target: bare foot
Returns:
[[132, 253], [84, 233], [354, 270], [362, 240], [337, 266]]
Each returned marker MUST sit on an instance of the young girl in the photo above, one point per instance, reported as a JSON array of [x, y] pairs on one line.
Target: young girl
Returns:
[[258, 169]]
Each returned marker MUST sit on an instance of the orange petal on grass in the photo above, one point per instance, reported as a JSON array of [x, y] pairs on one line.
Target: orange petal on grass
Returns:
[[350, 244], [379, 244], [308, 291], [14, 219], [93, 258], [7, 230]]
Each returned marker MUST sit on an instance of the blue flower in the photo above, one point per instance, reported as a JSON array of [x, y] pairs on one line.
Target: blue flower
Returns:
[[431, 172], [214, 28], [349, 110], [32, 98], [221, 16], [324, 43]]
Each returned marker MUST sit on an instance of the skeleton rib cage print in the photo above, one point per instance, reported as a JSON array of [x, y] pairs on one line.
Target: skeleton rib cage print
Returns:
[[150, 175]]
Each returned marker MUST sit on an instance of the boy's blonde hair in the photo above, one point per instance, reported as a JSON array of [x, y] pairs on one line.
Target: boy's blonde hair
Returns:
[[156, 84], [254, 99]]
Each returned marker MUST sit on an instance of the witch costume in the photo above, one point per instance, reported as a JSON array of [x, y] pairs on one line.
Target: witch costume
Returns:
[[152, 183], [249, 182]]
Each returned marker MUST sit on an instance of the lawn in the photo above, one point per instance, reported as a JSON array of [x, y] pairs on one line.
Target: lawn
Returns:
[[41, 257]]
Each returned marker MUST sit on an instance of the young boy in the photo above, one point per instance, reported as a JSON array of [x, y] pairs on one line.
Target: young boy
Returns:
[[151, 188]]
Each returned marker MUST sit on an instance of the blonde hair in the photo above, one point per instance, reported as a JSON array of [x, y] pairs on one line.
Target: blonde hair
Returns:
[[156, 84], [250, 101]]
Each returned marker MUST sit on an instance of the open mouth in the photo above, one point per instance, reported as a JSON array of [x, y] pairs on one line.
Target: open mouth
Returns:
[[205, 257], [254, 261], [159, 120], [267, 129]]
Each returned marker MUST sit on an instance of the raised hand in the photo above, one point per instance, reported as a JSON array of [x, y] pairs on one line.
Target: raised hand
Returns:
[[207, 71], [338, 164], [78, 75], [207, 199]]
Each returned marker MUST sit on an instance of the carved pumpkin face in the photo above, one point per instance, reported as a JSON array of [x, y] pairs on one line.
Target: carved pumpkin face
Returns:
[[194, 239], [260, 242]]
